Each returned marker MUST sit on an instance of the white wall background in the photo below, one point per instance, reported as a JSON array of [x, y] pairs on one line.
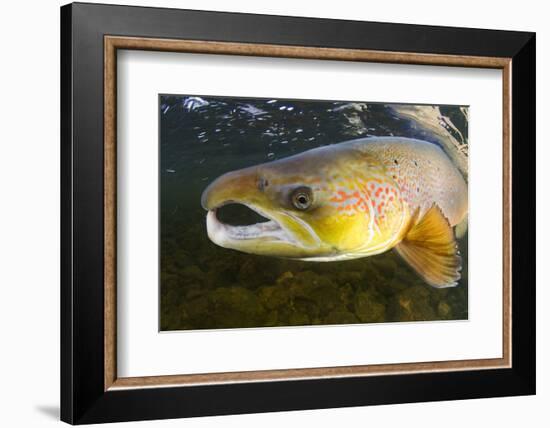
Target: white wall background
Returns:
[[29, 214]]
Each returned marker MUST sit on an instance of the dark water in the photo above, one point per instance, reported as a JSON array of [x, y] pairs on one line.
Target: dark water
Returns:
[[204, 286]]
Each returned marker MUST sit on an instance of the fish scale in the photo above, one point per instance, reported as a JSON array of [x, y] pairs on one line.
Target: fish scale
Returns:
[[424, 174]]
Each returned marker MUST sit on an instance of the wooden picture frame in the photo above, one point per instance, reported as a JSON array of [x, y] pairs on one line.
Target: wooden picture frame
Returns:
[[91, 390]]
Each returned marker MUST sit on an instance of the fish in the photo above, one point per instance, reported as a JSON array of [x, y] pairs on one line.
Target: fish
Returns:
[[349, 200]]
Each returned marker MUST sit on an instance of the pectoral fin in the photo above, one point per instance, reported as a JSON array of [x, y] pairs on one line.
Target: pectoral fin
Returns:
[[431, 250]]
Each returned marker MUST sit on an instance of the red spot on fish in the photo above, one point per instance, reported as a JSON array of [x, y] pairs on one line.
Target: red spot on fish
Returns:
[[342, 197]]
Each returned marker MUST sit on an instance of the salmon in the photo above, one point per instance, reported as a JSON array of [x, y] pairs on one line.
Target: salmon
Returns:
[[349, 200]]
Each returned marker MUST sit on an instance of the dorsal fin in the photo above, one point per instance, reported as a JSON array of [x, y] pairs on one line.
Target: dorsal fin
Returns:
[[429, 247]]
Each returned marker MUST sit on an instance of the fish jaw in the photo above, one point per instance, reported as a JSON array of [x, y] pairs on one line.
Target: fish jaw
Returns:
[[283, 235], [268, 238]]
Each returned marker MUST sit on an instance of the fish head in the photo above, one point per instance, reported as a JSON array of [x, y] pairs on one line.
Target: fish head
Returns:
[[299, 195]]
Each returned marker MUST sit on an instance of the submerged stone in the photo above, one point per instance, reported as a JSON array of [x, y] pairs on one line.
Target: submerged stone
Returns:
[[297, 318], [286, 275], [444, 310], [368, 308], [413, 304], [272, 297], [340, 316]]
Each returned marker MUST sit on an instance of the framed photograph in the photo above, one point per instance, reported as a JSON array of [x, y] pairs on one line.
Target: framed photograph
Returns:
[[265, 213]]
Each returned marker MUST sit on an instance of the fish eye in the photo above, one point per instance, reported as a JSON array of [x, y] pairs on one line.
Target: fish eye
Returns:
[[302, 198]]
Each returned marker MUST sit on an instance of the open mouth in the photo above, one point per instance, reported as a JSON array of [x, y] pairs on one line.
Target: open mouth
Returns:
[[238, 222], [238, 214]]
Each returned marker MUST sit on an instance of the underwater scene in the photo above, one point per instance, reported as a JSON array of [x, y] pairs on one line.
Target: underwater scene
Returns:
[[278, 212]]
